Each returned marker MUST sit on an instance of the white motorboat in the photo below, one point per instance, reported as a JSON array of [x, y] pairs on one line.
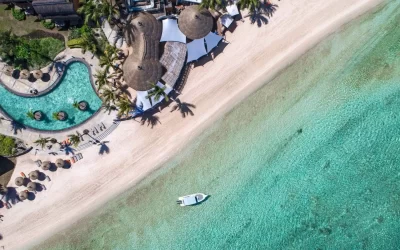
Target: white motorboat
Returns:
[[191, 199]]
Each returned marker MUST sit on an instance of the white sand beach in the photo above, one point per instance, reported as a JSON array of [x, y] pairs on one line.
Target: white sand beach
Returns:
[[253, 56]]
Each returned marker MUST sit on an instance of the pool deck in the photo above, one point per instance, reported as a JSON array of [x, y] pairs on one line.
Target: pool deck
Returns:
[[93, 124]]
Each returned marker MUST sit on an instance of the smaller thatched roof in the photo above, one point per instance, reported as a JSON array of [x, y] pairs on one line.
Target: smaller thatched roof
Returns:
[[195, 22], [38, 74], [38, 115], [34, 175], [31, 186], [19, 181], [8, 70], [60, 163], [24, 74], [141, 74], [46, 165], [147, 24], [23, 195]]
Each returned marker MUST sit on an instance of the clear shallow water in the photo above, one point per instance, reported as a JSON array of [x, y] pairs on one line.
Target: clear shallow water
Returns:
[[310, 161], [75, 86]]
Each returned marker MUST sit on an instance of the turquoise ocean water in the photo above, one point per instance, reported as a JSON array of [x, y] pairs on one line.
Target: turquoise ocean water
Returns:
[[309, 161], [75, 86]]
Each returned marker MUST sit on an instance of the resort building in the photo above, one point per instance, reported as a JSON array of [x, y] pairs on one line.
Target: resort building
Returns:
[[59, 11]]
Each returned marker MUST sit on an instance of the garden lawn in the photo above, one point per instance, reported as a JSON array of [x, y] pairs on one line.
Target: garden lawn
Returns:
[[20, 28]]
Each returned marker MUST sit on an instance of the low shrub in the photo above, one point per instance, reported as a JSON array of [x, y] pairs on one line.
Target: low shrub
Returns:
[[18, 14], [75, 43], [48, 24], [7, 144]]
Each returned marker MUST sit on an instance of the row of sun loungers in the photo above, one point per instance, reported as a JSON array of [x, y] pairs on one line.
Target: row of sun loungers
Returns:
[[76, 158]]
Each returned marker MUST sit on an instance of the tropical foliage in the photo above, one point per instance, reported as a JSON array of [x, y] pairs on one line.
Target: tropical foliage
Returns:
[[48, 24], [213, 4], [7, 144], [18, 14], [124, 106], [157, 92], [75, 104], [101, 78], [55, 116], [42, 141], [108, 58], [30, 114], [75, 139], [95, 10], [108, 95], [87, 42], [24, 52], [251, 5]]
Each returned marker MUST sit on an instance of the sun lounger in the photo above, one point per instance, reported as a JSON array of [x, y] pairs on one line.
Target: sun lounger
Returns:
[[80, 157], [38, 163]]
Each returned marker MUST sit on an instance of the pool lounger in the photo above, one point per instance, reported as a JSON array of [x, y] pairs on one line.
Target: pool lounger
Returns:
[[38, 163], [80, 157]]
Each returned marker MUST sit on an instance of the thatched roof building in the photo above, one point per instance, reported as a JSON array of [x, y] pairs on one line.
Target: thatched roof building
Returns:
[[142, 69], [57, 10]]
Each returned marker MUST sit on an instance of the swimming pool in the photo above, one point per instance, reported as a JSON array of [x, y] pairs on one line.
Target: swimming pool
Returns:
[[74, 86]]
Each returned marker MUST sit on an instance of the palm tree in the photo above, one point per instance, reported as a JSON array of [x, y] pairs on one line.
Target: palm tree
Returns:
[[42, 141], [75, 104], [101, 78], [91, 11], [108, 10], [108, 107], [212, 4], [55, 116], [157, 92], [108, 58], [75, 139], [108, 95], [30, 114], [124, 106], [88, 43], [252, 5]]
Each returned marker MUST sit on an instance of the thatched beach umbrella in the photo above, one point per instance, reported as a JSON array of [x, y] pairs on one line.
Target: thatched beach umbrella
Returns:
[[23, 195], [38, 74], [19, 181], [31, 186], [46, 165], [8, 70], [60, 163], [195, 22], [141, 74], [24, 74], [34, 175]]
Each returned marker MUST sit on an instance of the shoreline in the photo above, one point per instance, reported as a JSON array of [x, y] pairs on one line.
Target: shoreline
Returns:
[[133, 147]]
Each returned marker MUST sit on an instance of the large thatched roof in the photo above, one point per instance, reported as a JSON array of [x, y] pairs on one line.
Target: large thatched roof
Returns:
[[195, 22], [141, 74], [143, 68]]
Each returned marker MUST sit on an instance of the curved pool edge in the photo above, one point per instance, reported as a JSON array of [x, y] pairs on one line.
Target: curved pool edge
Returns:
[[48, 90]]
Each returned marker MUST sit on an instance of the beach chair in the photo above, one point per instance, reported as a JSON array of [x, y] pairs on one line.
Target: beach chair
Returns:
[[80, 157], [38, 163]]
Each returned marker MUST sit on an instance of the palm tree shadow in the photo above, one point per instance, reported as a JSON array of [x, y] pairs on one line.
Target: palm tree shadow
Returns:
[[184, 108], [258, 17], [104, 148], [149, 118], [17, 126], [71, 120], [268, 8]]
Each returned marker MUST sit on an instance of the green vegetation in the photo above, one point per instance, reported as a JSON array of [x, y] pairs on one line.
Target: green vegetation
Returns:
[[24, 52], [7, 145], [157, 92], [75, 139], [48, 24], [30, 114], [75, 104], [55, 116], [18, 14], [213, 4], [42, 141], [94, 10]]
